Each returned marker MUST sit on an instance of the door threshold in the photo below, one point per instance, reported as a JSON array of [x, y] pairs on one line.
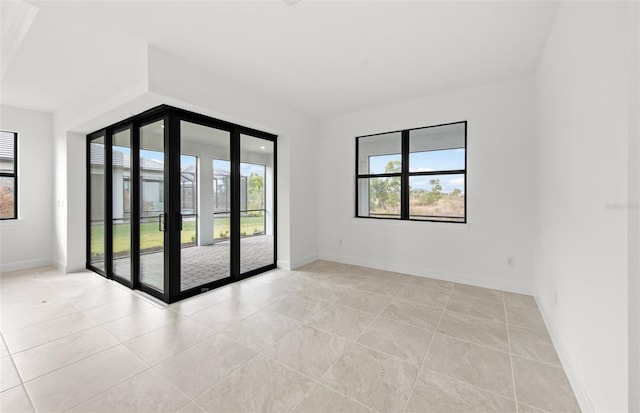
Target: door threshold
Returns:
[[151, 299]]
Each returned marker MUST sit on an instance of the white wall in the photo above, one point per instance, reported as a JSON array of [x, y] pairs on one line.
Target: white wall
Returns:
[[173, 81], [26, 242], [499, 173], [183, 84], [634, 209], [581, 246]]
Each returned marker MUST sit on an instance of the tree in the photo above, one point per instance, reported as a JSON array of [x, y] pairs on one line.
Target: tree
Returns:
[[385, 192], [255, 185], [435, 194], [456, 192]]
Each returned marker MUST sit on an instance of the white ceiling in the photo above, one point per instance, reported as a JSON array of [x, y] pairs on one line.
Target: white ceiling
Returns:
[[322, 58]]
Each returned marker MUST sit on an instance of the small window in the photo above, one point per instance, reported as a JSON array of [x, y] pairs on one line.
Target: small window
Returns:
[[8, 175], [414, 174]]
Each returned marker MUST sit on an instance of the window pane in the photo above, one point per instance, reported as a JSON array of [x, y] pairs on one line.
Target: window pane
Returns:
[[121, 205], [7, 197], [439, 148], [257, 166], [97, 183], [188, 184], [254, 178], [379, 197], [437, 197], [442, 160], [7, 152], [221, 199], [188, 201], [204, 193], [151, 195], [380, 154]]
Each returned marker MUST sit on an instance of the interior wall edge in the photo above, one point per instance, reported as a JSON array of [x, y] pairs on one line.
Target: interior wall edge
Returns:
[[633, 16], [303, 261], [283, 264], [421, 271], [579, 390], [24, 265]]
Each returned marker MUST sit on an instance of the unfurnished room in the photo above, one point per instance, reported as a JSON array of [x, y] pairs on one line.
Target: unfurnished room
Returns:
[[319, 206]]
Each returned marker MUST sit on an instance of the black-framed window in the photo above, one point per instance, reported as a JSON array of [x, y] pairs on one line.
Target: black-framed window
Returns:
[[415, 174], [8, 175]]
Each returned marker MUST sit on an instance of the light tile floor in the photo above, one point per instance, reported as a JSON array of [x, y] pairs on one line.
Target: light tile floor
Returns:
[[326, 338]]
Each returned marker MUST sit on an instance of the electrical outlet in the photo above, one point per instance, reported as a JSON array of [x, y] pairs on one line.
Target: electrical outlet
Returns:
[[511, 261]]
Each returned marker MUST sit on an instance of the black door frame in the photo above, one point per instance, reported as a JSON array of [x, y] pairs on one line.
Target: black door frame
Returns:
[[172, 117]]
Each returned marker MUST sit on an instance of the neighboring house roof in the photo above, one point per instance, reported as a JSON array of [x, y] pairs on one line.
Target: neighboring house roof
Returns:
[[123, 159], [6, 146], [220, 172]]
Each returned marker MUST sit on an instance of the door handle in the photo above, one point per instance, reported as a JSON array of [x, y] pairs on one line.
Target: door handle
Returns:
[[162, 222], [179, 218]]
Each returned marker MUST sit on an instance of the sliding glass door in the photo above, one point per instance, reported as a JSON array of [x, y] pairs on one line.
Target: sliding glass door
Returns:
[[257, 168], [121, 202], [189, 201], [152, 216], [203, 258], [96, 203]]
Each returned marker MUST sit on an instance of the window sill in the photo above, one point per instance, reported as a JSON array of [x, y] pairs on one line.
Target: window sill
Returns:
[[9, 222], [447, 226]]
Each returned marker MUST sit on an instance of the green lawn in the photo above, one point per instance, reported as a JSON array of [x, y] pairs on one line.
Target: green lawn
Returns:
[[151, 238], [248, 226]]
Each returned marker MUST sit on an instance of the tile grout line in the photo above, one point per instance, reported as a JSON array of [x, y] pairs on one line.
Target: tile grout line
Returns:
[[15, 367], [110, 387], [258, 353], [377, 315], [513, 377], [342, 355], [114, 386], [319, 382], [435, 331], [262, 352], [77, 361], [166, 358], [53, 339]]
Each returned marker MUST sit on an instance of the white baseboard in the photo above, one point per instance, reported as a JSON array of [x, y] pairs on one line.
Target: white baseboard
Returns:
[[304, 260], [569, 367], [23, 265], [427, 272], [284, 264]]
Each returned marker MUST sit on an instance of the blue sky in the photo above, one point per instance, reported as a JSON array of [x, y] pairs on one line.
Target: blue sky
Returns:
[[245, 168], [185, 160]]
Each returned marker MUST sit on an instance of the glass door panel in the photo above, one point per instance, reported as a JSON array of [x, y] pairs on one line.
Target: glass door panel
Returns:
[[152, 210], [205, 253], [121, 203], [97, 158], [257, 169]]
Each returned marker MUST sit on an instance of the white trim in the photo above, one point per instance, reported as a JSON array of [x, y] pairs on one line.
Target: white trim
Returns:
[[284, 264], [421, 271], [304, 260], [586, 405], [23, 265], [444, 225], [60, 266]]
